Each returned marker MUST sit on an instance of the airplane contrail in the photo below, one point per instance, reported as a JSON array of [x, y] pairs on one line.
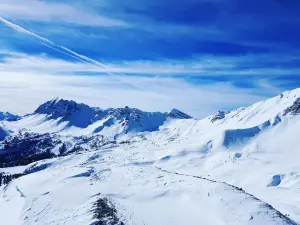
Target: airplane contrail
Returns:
[[58, 48], [22, 30]]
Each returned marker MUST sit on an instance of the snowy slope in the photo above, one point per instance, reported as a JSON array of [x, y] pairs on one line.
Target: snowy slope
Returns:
[[262, 111], [255, 148], [238, 167], [239, 126], [63, 192]]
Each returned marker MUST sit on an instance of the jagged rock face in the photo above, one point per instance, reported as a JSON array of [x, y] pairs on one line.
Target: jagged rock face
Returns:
[[79, 115], [6, 116], [293, 109], [25, 147], [142, 121], [131, 119], [125, 119], [219, 116], [125, 113], [136, 120], [176, 114]]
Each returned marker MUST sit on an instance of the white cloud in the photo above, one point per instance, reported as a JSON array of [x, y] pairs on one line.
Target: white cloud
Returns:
[[50, 65], [201, 67], [26, 82], [41, 11]]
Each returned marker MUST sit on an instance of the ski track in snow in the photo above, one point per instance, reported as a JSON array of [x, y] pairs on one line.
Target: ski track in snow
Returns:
[[232, 186]]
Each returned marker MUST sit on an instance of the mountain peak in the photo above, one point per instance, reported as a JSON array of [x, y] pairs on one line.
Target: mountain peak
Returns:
[[57, 107], [56, 99], [6, 116], [177, 114], [77, 114]]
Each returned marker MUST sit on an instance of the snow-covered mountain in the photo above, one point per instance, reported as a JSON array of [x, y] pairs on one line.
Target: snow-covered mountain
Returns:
[[64, 116], [6, 116], [76, 164]]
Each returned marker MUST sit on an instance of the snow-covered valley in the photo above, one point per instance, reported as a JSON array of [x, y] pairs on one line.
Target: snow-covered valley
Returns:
[[238, 167]]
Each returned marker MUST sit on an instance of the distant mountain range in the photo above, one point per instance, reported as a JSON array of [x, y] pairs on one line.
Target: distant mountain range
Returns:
[[59, 115]]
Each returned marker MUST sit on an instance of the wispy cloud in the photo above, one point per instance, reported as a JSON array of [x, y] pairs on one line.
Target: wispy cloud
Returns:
[[195, 67], [35, 79], [61, 49], [201, 56], [42, 11], [154, 94]]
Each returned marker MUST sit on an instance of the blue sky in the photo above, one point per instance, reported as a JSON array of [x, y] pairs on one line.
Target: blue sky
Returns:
[[197, 55]]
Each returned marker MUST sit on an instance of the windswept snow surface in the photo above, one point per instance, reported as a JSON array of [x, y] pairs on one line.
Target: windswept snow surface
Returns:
[[238, 167], [63, 193]]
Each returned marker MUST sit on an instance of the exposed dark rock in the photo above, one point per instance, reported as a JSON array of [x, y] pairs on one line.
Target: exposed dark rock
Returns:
[[105, 213], [6, 178], [219, 116], [25, 147], [6, 116], [293, 109]]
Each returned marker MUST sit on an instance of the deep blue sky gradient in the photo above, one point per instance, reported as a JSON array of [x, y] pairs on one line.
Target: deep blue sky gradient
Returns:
[[259, 36]]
